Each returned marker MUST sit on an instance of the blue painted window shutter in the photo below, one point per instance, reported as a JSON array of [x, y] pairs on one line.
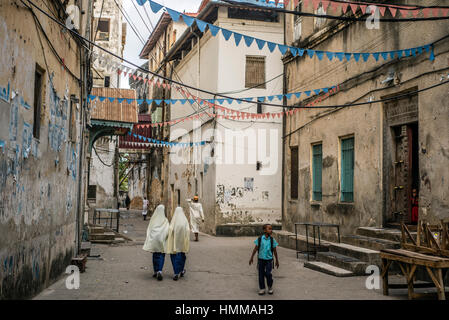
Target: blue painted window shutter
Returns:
[[317, 168], [347, 170]]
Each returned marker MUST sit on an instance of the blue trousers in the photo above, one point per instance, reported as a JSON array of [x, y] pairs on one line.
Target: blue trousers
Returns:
[[158, 261], [178, 261], [265, 267]]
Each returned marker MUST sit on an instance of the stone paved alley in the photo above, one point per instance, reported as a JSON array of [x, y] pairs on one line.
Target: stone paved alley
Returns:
[[217, 268]]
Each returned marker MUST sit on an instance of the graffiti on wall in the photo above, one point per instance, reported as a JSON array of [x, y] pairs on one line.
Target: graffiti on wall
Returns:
[[5, 92], [27, 137]]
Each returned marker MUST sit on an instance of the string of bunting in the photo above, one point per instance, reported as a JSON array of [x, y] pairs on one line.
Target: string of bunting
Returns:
[[270, 98], [295, 51], [342, 6], [163, 144]]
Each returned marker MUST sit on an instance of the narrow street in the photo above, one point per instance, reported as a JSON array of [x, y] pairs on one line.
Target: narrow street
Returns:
[[217, 268]]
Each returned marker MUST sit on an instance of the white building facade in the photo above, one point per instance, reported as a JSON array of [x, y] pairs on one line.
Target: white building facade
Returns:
[[237, 172]]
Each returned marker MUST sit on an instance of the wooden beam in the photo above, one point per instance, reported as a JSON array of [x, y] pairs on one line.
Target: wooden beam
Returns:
[[434, 278], [409, 234], [431, 237]]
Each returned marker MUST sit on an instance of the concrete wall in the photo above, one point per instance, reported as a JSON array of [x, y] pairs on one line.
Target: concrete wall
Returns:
[[115, 45], [359, 82], [38, 177], [220, 68], [103, 175]]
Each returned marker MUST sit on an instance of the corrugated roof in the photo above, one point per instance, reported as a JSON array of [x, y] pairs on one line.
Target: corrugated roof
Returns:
[[115, 111]]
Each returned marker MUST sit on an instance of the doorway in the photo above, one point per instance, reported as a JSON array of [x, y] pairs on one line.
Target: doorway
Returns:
[[406, 171]]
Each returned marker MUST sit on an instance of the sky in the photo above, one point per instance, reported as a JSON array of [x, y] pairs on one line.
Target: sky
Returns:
[[133, 45]]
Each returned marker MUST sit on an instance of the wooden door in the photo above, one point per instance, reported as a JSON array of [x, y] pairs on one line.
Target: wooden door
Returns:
[[402, 175]]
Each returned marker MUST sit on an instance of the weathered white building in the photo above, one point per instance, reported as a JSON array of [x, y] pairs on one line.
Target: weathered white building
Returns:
[[237, 173], [109, 31]]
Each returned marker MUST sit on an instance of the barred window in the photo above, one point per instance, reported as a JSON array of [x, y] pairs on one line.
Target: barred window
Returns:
[[255, 72]]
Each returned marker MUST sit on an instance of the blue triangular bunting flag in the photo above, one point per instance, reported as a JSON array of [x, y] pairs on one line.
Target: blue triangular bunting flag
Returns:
[[248, 40], [155, 6], [376, 56], [226, 34], [201, 25], [283, 49], [173, 14], [101, 99], [298, 95], [384, 55], [237, 38], [365, 56], [213, 29], [357, 56], [339, 55], [319, 54], [348, 56], [310, 53], [271, 46], [260, 43], [330, 55], [188, 20]]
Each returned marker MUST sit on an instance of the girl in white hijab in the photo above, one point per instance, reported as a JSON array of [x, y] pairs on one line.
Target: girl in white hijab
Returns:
[[178, 243], [156, 242]]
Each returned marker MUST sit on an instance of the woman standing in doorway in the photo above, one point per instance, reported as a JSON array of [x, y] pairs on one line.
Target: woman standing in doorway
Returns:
[[156, 242], [178, 243]]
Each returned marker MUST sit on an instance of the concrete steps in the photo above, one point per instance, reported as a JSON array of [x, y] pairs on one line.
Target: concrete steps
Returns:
[[363, 254], [381, 233], [101, 236], [328, 269], [355, 266], [370, 243]]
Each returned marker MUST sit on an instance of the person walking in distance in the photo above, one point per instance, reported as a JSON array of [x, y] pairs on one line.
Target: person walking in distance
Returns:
[[127, 202], [156, 241], [145, 208], [266, 247], [178, 243], [196, 215]]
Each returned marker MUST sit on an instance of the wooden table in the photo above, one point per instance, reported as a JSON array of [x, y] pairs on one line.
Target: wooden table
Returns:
[[408, 261]]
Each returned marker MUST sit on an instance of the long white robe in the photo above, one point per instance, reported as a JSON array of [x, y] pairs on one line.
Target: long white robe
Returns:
[[178, 233], [196, 215], [157, 231]]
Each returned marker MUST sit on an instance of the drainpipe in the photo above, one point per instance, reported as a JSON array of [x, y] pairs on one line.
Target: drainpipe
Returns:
[[284, 80]]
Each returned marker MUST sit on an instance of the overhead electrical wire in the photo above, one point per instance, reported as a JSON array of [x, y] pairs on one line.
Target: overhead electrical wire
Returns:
[[224, 96], [315, 15]]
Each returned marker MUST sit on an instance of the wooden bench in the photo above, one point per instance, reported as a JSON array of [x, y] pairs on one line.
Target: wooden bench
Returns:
[[408, 261]]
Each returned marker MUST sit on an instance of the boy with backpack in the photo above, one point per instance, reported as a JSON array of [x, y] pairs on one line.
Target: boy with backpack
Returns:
[[266, 247]]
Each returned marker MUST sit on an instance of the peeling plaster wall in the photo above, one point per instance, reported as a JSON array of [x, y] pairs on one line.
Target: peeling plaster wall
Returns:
[[103, 175], [38, 178], [358, 82], [114, 44]]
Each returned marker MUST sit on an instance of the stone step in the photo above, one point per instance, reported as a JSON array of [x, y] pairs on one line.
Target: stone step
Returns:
[[102, 236], [96, 229], [366, 255], [351, 264], [369, 242], [328, 269], [113, 241], [287, 240], [380, 233]]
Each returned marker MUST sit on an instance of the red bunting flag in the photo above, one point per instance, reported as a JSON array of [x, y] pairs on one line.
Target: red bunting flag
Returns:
[[404, 12], [353, 7], [325, 4], [393, 11], [382, 10], [435, 12], [363, 8], [344, 7]]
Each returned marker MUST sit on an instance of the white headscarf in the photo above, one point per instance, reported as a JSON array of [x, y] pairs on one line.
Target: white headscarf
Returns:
[[157, 231], [178, 233]]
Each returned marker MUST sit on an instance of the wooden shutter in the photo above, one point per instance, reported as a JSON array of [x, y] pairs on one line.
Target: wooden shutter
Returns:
[[255, 72], [317, 167], [347, 170], [294, 168]]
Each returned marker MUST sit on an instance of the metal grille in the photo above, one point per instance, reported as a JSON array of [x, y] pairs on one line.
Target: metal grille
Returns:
[[255, 72]]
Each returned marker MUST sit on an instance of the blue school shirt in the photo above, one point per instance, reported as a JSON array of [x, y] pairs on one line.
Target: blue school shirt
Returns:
[[265, 248]]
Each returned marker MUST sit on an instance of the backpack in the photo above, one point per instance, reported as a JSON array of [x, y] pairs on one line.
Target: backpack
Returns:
[[259, 241]]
